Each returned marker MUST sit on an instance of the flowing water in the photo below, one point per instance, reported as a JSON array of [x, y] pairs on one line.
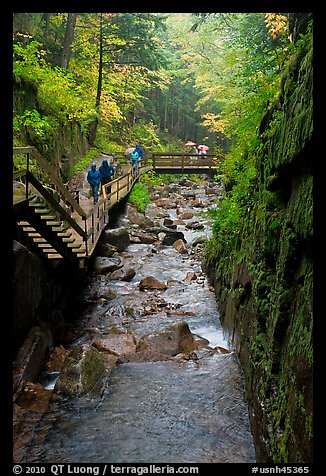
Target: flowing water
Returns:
[[173, 411]]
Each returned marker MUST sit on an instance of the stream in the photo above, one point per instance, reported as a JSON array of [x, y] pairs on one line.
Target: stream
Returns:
[[185, 409]]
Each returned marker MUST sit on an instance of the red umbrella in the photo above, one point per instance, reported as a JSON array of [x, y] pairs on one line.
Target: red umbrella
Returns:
[[203, 147]]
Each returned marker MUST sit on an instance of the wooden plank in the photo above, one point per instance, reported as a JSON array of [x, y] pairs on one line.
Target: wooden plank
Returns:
[[53, 222], [64, 234], [68, 240], [48, 217], [22, 150]]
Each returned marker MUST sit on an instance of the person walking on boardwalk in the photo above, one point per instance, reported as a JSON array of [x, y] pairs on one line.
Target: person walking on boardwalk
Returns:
[[134, 161], [140, 152], [94, 179], [107, 172]]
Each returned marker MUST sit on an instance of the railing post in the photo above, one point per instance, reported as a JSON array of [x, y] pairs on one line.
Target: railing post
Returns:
[[27, 168], [93, 227], [85, 238]]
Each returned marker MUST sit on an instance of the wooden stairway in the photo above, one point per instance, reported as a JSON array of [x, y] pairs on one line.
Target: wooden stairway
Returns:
[[49, 218], [47, 235]]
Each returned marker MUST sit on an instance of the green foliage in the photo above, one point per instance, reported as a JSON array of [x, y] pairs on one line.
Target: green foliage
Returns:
[[139, 196], [38, 126], [104, 142], [85, 161], [227, 224], [57, 91], [145, 134]]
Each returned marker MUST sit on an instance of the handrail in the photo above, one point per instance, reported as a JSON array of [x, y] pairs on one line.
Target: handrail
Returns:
[[180, 154], [97, 214], [52, 201], [54, 178], [97, 217]]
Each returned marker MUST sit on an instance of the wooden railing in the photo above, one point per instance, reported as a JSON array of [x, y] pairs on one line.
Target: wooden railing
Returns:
[[98, 214], [183, 161], [55, 180], [86, 225]]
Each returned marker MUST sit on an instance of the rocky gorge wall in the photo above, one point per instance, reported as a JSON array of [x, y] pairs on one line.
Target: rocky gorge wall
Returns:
[[264, 287], [42, 296], [64, 143]]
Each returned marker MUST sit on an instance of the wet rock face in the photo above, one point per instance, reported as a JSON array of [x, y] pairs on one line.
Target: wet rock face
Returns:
[[81, 371], [29, 287], [172, 340], [118, 237], [30, 358]]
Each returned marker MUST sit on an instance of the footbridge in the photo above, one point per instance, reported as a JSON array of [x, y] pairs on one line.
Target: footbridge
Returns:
[[59, 222], [178, 162]]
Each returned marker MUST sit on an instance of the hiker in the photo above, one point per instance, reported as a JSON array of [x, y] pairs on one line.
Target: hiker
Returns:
[[140, 152], [94, 179], [107, 172], [134, 161]]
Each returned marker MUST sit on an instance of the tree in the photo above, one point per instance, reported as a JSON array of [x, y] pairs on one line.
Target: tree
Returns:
[[69, 36]]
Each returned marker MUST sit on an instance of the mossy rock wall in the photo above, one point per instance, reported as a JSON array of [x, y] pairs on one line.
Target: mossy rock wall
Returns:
[[63, 146], [264, 287]]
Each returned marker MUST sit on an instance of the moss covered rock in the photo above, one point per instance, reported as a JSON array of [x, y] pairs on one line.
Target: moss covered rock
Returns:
[[82, 370], [264, 283]]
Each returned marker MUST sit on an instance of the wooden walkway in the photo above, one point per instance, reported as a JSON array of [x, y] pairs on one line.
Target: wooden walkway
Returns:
[[176, 163], [62, 223]]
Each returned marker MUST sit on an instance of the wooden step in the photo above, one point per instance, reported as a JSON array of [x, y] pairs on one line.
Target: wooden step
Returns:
[[53, 223], [78, 250], [48, 250], [38, 204], [42, 210], [45, 245], [64, 234], [33, 234], [68, 240], [48, 217], [54, 256], [24, 223], [74, 245], [28, 229]]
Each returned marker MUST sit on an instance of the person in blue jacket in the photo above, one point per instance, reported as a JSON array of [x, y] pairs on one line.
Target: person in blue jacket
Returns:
[[140, 151], [134, 161], [107, 172], [94, 179]]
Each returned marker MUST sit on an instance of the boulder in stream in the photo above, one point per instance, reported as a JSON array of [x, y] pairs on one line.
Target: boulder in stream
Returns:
[[118, 237], [116, 341], [151, 283], [104, 265], [172, 340], [81, 371], [172, 236]]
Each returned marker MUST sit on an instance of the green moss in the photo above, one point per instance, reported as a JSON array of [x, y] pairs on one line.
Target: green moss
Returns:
[[272, 318]]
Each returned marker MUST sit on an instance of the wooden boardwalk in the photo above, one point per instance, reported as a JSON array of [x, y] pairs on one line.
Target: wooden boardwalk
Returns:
[[178, 162], [60, 222]]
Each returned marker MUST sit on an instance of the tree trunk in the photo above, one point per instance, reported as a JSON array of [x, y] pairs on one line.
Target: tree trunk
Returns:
[[100, 66], [46, 18], [69, 37]]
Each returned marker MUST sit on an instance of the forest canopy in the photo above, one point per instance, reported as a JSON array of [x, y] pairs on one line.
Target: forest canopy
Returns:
[[153, 77]]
